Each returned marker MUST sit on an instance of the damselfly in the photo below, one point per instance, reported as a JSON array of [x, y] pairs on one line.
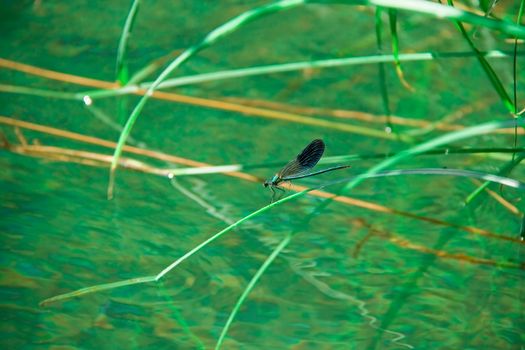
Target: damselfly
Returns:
[[298, 168]]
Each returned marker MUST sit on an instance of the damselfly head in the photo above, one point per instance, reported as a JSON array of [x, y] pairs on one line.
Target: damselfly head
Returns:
[[266, 184]]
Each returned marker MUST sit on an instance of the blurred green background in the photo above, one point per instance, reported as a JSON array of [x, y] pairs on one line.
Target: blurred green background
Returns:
[[335, 286]]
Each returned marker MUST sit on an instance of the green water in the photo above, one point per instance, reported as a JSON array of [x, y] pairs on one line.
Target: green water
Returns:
[[331, 288]]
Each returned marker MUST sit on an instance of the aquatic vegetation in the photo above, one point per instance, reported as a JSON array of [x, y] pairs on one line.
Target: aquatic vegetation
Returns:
[[404, 206]]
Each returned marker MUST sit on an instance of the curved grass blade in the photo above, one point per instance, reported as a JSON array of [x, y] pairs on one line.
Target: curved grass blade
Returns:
[[14, 89], [514, 61], [514, 72], [493, 77], [229, 228], [122, 70], [287, 67], [448, 12], [431, 144], [381, 68], [221, 31], [442, 151], [269, 260], [502, 180], [488, 6], [392, 16], [506, 170], [97, 288]]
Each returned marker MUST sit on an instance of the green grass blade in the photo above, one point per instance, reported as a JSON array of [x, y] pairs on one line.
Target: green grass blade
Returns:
[[269, 260], [502, 180], [297, 66], [221, 31], [515, 71], [392, 16], [442, 151], [429, 145], [514, 63], [486, 5], [493, 77], [381, 68], [229, 228], [122, 69], [97, 288], [477, 192], [14, 89], [448, 12], [288, 67], [506, 170]]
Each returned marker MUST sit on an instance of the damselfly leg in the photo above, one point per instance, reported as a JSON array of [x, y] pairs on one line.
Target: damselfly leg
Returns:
[[274, 193]]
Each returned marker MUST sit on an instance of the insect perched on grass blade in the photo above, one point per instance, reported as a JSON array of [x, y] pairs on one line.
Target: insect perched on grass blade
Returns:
[[298, 168]]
